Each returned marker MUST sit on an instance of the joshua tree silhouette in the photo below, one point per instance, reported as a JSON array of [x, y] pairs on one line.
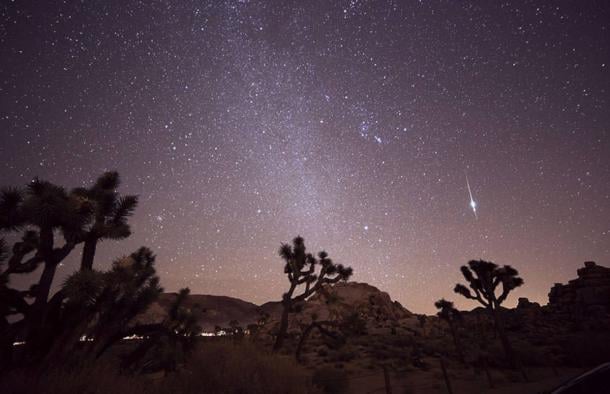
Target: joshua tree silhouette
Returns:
[[109, 214], [168, 343], [47, 214], [99, 305], [301, 270], [44, 209], [451, 315], [483, 278]]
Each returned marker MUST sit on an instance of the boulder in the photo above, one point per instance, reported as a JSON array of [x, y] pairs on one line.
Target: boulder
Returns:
[[525, 303], [590, 292], [348, 297]]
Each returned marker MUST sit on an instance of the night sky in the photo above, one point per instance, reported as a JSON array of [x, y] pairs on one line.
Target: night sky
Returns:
[[241, 124]]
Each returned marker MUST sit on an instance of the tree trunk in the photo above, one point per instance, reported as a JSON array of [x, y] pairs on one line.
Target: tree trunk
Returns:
[[8, 334], [302, 341], [458, 348], [279, 340], [446, 376], [88, 254], [35, 319], [62, 342], [44, 285], [508, 350]]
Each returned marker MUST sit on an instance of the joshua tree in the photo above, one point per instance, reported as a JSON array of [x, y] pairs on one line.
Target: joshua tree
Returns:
[[12, 301], [451, 315], [167, 343], [483, 278], [338, 330], [110, 214], [84, 215], [43, 208], [102, 305], [301, 269], [421, 319], [338, 326], [323, 329], [48, 214]]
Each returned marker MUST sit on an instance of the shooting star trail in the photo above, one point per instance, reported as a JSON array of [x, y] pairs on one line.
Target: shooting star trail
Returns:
[[473, 203]]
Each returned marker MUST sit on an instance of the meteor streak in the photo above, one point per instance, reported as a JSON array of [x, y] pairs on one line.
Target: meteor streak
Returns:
[[473, 203]]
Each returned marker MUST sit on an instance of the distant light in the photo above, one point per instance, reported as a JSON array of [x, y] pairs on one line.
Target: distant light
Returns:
[[207, 334], [132, 337]]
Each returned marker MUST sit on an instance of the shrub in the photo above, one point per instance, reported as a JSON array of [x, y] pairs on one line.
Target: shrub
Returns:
[[531, 355], [588, 349], [88, 380], [344, 354], [214, 367], [331, 381]]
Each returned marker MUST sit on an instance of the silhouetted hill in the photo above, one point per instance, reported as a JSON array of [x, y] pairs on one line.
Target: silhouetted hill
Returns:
[[212, 310], [348, 297]]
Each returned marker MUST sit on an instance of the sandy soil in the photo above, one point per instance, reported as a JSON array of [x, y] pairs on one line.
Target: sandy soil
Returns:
[[462, 382]]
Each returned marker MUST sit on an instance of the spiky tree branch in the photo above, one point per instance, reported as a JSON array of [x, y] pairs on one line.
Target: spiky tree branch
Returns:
[[305, 279], [447, 312], [485, 278], [110, 214]]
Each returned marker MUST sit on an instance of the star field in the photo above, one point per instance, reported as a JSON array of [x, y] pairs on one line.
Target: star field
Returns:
[[241, 124]]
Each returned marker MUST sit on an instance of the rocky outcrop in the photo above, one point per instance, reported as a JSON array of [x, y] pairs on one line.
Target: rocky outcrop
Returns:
[[348, 297], [525, 303], [344, 298], [339, 302], [589, 293], [332, 302], [211, 310]]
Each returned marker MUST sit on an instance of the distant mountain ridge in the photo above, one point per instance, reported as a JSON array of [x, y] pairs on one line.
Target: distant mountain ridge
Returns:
[[587, 294], [211, 310], [218, 311]]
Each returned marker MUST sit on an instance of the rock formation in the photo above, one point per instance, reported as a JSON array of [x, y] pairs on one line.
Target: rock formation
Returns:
[[211, 310], [348, 297], [331, 303], [589, 293], [525, 303]]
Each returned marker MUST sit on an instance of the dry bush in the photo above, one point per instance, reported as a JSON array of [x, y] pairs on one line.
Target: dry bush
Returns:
[[588, 349], [87, 380], [241, 368], [331, 381], [345, 354], [530, 355], [214, 368]]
